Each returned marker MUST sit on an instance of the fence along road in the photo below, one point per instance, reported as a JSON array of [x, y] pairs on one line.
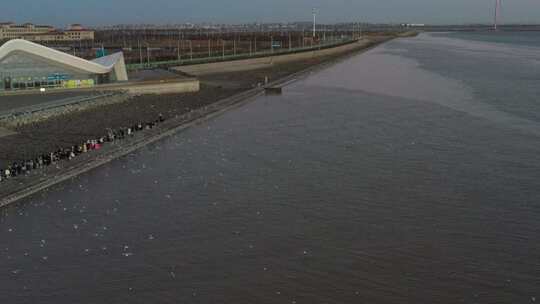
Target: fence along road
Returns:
[[220, 57]]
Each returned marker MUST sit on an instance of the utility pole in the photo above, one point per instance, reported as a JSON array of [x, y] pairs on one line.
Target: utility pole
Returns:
[[148, 53], [190, 50], [209, 50], [140, 51], [314, 23], [290, 41], [179, 45], [223, 49]]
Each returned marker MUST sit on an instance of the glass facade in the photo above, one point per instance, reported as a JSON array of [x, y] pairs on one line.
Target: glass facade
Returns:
[[21, 71]]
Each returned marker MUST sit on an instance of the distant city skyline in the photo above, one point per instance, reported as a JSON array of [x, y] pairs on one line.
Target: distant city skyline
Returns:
[[98, 13]]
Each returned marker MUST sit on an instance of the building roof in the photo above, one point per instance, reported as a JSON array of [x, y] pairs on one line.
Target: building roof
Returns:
[[109, 60], [52, 33], [77, 30], [112, 63]]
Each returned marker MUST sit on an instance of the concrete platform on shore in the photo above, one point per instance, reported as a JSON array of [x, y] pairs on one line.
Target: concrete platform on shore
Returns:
[[103, 87], [172, 86], [14, 101]]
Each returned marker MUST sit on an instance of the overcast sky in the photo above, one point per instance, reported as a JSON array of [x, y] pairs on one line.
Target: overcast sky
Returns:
[[107, 12]]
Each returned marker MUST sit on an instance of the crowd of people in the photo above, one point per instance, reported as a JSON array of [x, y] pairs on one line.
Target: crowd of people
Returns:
[[26, 166]]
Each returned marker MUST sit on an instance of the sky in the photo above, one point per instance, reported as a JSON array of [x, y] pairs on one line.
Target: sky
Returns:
[[110, 12]]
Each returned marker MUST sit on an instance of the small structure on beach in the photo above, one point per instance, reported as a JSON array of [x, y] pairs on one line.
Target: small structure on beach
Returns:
[[273, 90]]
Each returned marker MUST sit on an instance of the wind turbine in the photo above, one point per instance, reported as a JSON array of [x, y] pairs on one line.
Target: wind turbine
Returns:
[[498, 5]]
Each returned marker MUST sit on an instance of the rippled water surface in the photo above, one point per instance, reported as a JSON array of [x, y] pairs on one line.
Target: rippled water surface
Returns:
[[409, 174]]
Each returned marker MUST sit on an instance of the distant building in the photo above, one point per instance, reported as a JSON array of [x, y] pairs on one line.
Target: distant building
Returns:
[[413, 25], [12, 31], [27, 65], [31, 32]]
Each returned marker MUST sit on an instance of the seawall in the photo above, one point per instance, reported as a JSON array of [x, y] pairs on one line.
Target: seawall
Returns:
[[263, 62]]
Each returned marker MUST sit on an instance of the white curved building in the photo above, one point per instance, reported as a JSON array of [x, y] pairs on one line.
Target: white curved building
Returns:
[[24, 64]]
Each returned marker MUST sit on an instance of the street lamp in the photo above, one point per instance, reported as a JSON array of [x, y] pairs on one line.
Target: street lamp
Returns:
[[147, 53]]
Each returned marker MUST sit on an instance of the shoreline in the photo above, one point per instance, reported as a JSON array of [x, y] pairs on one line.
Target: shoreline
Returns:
[[26, 186]]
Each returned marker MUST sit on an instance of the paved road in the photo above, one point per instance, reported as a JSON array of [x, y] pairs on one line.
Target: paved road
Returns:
[[19, 101], [149, 75]]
